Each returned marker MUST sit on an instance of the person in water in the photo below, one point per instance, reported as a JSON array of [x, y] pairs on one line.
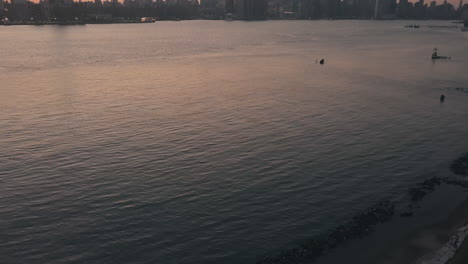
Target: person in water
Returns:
[[322, 61], [442, 98]]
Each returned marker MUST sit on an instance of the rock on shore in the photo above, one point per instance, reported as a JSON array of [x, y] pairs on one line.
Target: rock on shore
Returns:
[[460, 165]]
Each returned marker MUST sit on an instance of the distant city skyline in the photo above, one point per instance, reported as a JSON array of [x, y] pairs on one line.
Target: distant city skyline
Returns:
[[453, 2]]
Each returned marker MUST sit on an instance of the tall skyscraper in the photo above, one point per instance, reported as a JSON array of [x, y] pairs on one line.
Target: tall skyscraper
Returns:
[[141, 3], [19, 2], [251, 9], [366, 8], [377, 9]]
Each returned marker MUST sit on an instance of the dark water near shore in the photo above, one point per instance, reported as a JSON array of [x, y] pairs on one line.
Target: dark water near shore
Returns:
[[215, 142]]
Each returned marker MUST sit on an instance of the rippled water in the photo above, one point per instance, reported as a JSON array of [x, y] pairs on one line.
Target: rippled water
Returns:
[[212, 141]]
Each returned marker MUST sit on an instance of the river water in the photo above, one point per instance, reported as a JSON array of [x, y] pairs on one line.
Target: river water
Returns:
[[214, 141]]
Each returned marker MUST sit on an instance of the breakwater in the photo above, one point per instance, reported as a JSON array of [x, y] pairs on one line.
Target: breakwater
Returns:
[[358, 227]]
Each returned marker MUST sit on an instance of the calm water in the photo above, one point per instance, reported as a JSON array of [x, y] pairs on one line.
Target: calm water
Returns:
[[215, 142]]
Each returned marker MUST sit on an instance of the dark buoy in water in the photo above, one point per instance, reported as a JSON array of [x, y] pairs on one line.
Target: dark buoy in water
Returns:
[[442, 98], [322, 61]]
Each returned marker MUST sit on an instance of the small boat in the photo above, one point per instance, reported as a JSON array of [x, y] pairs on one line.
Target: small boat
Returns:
[[464, 90], [147, 20], [435, 56], [5, 22]]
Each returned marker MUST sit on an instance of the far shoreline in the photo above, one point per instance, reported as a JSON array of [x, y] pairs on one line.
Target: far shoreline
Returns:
[[139, 21]]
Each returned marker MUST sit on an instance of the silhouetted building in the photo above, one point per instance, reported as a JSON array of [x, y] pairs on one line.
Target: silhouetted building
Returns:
[[460, 8], [464, 14], [66, 10], [377, 9], [18, 2], [250, 9], [214, 9], [229, 6]]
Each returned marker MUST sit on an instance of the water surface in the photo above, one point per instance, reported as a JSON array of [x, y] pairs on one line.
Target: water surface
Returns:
[[213, 141]]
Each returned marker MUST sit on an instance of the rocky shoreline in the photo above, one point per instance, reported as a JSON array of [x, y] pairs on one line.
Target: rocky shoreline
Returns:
[[358, 227], [363, 223], [449, 249]]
